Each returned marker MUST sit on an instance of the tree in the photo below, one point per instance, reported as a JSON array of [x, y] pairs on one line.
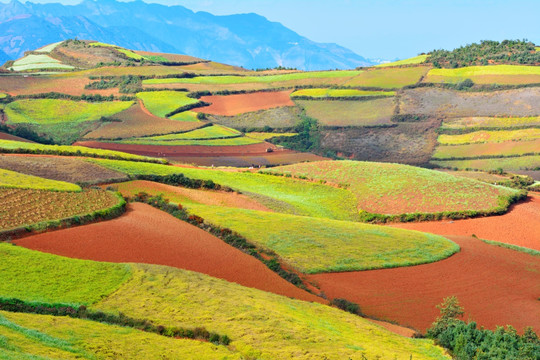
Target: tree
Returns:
[[450, 310]]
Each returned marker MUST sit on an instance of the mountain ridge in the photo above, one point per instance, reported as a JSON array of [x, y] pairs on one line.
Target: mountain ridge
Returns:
[[247, 40]]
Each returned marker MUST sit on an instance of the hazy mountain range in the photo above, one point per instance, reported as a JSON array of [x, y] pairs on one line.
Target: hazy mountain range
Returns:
[[247, 40]]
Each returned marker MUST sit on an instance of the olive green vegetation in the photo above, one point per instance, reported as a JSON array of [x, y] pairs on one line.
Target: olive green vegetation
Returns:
[[254, 79], [54, 279], [531, 162], [278, 193], [51, 111], [16, 147], [489, 136], [189, 116], [410, 61], [12, 179], [314, 245], [395, 189], [30, 336], [389, 78], [267, 135], [261, 325], [162, 103]]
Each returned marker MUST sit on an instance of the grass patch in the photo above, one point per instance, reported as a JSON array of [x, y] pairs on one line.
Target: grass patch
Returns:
[[349, 113], [161, 103], [410, 61], [51, 111], [393, 189], [513, 247], [277, 193], [490, 136], [339, 93], [389, 78], [12, 179], [489, 122], [36, 62], [54, 279], [8, 146], [187, 116], [313, 245], [262, 325]]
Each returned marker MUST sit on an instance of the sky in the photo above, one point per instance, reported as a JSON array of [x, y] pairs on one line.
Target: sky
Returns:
[[386, 29]]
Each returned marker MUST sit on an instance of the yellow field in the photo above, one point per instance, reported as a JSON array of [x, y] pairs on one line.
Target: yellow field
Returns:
[[500, 74], [490, 136], [12, 179]]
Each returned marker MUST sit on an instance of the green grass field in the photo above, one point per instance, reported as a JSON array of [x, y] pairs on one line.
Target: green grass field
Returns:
[[314, 245], [266, 79], [337, 93], [261, 325], [8, 146], [36, 62], [488, 122], [483, 136], [189, 116], [32, 337], [161, 103], [349, 113], [392, 189], [54, 279], [502, 149], [52, 111], [278, 193], [12, 179], [389, 78], [410, 61], [510, 163]]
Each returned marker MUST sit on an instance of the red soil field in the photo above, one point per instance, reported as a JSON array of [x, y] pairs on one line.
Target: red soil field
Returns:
[[230, 105], [496, 286], [5, 136], [147, 235], [207, 197], [520, 226], [271, 159], [65, 84]]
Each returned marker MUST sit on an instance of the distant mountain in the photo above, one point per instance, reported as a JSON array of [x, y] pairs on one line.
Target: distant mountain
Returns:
[[247, 40]]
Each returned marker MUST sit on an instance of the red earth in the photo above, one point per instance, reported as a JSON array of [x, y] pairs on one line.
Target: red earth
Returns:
[[495, 285], [520, 226], [6, 136], [147, 235], [230, 105]]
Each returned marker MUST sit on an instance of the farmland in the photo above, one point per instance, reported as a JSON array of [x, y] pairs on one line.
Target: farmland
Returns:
[[339, 93], [388, 78], [501, 149], [500, 74], [472, 123], [32, 207], [349, 113], [12, 179], [231, 105], [161, 103], [205, 133], [283, 117], [38, 62], [478, 137], [313, 245], [135, 121], [398, 189], [528, 162], [410, 61], [182, 141]]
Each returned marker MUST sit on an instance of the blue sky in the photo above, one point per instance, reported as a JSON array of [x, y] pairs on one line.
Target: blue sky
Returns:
[[387, 28]]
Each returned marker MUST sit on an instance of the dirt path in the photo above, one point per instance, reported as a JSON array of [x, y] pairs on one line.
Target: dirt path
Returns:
[[520, 226], [497, 286]]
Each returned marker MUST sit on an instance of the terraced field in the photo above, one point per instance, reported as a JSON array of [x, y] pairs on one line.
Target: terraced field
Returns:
[[499, 149], [161, 103], [184, 140], [472, 123], [38, 62], [389, 78], [410, 61], [529, 162], [494, 74], [12, 179], [230, 105], [135, 121], [35, 208], [313, 245], [397, 189], [339, 93], [478, 137], [350, 113], [277, 118], [277, 193]]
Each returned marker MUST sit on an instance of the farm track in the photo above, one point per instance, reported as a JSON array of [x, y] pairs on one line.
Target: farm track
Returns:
[[496, 286], [520, 226], [147, 235]]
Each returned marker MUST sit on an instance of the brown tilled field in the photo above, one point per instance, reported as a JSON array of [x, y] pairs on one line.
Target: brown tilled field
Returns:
[[231, 105], [496, 286], [5, 136], [74, 170], [147, 235], [520, 226], [70, 84], [137, 121]]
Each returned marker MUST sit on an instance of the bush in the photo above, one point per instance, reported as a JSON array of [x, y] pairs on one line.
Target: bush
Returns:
[[346, 305]]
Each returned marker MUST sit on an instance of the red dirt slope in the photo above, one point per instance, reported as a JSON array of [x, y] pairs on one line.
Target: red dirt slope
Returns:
[[6, 136], [497, 286], [230, 105], [147, 235], [520, 226]]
